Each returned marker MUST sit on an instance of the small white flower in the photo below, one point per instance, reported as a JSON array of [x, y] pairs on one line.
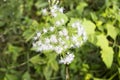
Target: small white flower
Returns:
[[39, 49], [67, 37], [53, 39], [61, 9], [50, 47], [61, 33], [58, 49], [80, 31], [44, 30], [52, 29], [44, 47], [65, 46], [65, 32], [60, 39], [62, 42], [54, 14], [68, 59], [55, 7], [62, 21], [44, 11], [52, 10], [38, 34], [73, 25], [77, 44], [74, 39], [35, 38], [34, 44], [39, 43], [84, 37], [47, 40], [58, 23], [77, 24]]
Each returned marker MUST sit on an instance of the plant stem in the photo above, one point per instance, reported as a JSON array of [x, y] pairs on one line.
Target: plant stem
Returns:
[[67, 73]]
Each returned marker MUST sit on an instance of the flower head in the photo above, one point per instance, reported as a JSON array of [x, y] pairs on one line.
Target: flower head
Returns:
[[67, 59]]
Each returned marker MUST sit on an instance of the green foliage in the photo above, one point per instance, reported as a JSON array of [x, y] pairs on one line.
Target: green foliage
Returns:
[[106, 52], [89, 27], [97, 59]]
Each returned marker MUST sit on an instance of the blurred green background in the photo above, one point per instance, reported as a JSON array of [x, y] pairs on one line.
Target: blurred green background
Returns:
[[97, 59]]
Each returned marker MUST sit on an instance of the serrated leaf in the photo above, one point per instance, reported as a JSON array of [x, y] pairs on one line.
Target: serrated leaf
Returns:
[[102, 41], [89, 26], [111, 30], [107, 56], [106, 52]]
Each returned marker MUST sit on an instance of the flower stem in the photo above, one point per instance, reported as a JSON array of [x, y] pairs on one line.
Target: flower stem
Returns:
[[67, 73]]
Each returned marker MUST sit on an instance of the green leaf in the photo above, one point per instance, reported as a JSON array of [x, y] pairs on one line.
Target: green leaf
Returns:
[[73, 20], [111, 30], [93, 16], [54, 64], [14, 50], [26, 76], [28, 34], [106, 52], [81, 7], [10, 77], [102, 41], [37, 59], [89, 26], [107, 56], [119, 54], [47, 72], [59, 17], [119, 70], [118, 17]]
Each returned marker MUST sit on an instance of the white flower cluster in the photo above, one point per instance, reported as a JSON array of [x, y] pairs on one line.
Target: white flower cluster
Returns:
[[68, 59], [53, 10], [60, 39]]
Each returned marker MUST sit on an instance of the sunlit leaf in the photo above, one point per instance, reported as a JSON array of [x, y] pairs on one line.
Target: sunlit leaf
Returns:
[[106, 52], [102, 41], [107, 56], [112, 31], [89, 26], [93, 16]]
